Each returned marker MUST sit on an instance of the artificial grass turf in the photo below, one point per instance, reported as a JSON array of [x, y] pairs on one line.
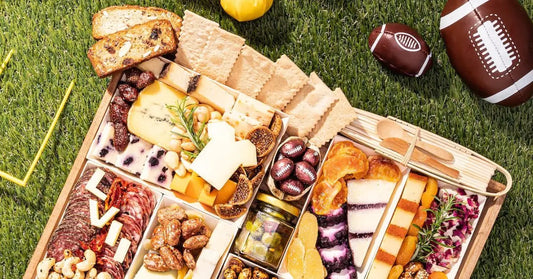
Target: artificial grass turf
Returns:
[[325, 36]]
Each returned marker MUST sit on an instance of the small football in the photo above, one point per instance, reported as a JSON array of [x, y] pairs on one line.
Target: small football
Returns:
[[282, 169], [305, 172], [490, 45], [292, 187], [401, 49], [293, 148]]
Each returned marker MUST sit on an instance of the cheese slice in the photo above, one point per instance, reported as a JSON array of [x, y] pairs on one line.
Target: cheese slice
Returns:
[[247, 153], [217, 162], [149, 117], [242, 123], [179, 78], [144, 273], [154, 65], [221, 130], [254, 109], [122, 250], [94, 215], [209, 92], [113, 233], [93, 182], [212, 253]]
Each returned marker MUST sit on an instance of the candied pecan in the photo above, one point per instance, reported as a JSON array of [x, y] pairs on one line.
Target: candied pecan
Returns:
[[145, 79], [172, 232], [121, 139], [172, 212], [172, 257], [195, 242], [118, 113], [189, 259], [132, 75], [129, 92], [158, 237], [191, 227], [155, 262]]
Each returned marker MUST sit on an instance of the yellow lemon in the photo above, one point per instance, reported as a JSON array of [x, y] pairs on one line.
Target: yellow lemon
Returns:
[[245, 10]]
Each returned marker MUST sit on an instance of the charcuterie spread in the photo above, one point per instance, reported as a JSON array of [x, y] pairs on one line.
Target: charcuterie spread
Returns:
[[212, 161]]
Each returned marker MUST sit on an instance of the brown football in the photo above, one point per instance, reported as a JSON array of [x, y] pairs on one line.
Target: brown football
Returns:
[[490, 45], [400, 48]]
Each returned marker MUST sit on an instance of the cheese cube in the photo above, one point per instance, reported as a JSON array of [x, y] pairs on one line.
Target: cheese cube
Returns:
[[226, 192], [208, 92], [180, 184], [113, 233], [208, 197], [122, 250], [154, 65], [103, 148], [195, 187], [247, 153], [179, 78], [217, 162], [133, 158], [149, 117], [221, 130], [254, 109], [242, 123], [155, 170]]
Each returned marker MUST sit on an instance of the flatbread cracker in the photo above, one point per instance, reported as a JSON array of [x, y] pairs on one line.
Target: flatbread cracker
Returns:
[[340, 115], [195, 31], [250, 72], [219, 54], [308, 106], [286, 81]]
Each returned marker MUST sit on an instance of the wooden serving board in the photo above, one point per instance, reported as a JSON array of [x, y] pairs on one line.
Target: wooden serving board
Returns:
[[486, 220]]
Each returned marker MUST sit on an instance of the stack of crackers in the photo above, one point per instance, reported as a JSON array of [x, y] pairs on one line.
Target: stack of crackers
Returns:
[[316, 111]]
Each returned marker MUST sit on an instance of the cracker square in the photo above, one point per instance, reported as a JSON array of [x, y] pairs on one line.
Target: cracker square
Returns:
[[250, 72], [219, 54], [195, 31], [340, 115], [286, 81], [308, 106]]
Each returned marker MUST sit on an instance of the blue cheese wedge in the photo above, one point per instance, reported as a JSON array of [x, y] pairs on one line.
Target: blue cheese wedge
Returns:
[[133, 158], [155, 170], [103, 148]]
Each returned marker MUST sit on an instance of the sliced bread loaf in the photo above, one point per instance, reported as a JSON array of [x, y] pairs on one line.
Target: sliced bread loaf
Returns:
[[124, 49], [117, 18]]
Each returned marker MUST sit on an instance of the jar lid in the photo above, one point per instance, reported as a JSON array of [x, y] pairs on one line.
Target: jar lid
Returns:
[[278, 203]]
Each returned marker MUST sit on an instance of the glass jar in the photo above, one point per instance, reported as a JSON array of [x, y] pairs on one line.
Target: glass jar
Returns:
[[266, 231]]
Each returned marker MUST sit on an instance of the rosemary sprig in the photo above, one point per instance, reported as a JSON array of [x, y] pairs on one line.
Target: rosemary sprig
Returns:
[[428, 236], [184, 117]]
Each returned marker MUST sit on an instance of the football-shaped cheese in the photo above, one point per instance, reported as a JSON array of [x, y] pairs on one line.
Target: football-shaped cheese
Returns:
[[490, 45], [400, 48], [282, 169]]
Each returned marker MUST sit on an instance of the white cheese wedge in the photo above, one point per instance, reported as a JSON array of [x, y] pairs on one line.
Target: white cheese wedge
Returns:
[[179, 77], [254, 109], [93, 182], [208, 92], [103, 148], [133, 158], [94, 215], [369, 191], [247, 153], [242, 123], [144, 273], [149, 117], [155, 169], [221, 130], [154, 65], [122, 250], [368, 219], [217, 162], [219, 241], [113, 233], [359, 244]]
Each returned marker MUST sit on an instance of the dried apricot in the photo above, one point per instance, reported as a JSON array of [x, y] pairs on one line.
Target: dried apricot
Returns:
[[438, 275], [432, 187], [395, 272], [427, 199], [382, 168], [313, 267], [340, 166], [342, 148], [406, 250], [419, 220], [295, 259], [323, 196], [342, 196]]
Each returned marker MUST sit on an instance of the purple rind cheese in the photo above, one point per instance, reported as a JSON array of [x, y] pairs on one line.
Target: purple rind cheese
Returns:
[[336, 258], [334, 217], [347, 273], [332, 235]]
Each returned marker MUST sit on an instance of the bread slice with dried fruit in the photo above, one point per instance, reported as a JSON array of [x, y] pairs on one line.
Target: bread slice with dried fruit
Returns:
[[117, 18], [125, 49]]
